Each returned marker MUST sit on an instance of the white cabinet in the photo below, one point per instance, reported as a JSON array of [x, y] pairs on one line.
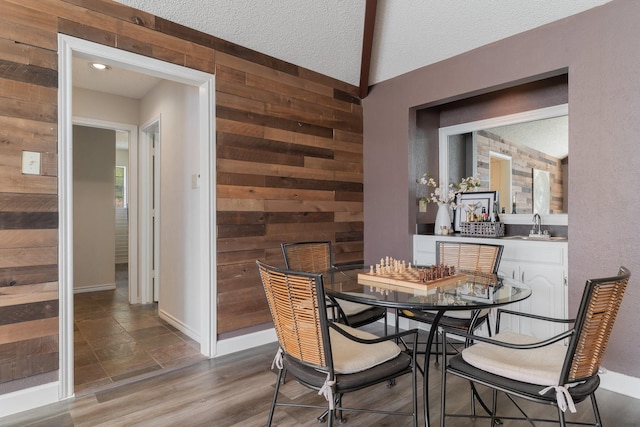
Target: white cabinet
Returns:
[[540, 265]]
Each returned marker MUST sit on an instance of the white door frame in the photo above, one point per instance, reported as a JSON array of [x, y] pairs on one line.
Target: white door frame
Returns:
[[67, 48], [149, 235]]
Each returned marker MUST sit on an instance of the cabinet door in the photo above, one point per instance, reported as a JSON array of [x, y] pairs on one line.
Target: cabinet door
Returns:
[[547, 299], [509, 323]]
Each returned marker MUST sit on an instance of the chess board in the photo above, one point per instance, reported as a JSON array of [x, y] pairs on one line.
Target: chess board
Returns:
[[408, 278]]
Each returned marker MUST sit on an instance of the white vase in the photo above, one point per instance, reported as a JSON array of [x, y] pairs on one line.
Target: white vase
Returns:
[[443, 219]]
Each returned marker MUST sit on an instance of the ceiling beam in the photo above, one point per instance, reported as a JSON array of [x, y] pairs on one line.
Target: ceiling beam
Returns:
[[367, 46]]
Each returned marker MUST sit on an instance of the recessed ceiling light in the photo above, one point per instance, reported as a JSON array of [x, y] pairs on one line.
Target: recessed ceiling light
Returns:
[[99, 66]]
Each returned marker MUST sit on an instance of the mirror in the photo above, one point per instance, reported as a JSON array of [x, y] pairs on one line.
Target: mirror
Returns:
[[523, 157]]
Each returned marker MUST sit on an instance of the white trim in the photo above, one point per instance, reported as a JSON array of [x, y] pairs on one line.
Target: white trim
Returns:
[[179, 325], [620, 383], [246, 342], [65, 218], [208, 249], [95, 288], [30, 398], [68, 47], [148, 150]]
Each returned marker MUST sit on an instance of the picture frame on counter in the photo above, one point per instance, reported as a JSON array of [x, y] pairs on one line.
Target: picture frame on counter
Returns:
[[481, 199]]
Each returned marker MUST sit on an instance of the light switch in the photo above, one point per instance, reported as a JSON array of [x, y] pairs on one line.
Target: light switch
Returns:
[[195, 180], [31, 163]]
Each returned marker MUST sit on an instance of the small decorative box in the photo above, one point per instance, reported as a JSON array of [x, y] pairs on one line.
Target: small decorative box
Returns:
[[482, 229]]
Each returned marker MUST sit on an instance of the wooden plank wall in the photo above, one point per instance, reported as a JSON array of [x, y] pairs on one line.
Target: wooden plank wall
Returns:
[[289, 163]]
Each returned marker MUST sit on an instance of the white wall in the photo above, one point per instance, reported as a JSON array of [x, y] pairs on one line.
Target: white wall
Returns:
[[177, 107], [93, 208], [101, 106]]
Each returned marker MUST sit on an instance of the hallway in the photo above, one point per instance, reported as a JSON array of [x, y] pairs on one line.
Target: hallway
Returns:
[[115, 341]]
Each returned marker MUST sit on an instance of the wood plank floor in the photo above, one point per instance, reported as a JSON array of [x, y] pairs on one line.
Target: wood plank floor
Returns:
[[236, 390]]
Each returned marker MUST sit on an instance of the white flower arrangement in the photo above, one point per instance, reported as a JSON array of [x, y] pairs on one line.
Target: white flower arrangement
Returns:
[[448, 195]]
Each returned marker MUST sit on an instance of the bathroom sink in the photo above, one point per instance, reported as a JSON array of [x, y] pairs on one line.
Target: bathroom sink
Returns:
[[540, 239]]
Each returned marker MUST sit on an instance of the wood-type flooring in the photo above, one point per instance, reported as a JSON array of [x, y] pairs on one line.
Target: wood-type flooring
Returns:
[[236, 390]]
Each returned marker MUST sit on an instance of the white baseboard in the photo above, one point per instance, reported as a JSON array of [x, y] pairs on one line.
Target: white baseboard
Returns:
[[245, 342], [620, 383], [179, 325], [28, 399], [95, 288]]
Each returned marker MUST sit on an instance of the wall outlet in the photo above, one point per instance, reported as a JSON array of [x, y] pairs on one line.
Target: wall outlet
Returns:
[[30, 163]]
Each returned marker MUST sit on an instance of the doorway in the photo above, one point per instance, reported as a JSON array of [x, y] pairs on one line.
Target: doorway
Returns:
[[202, 304], [500, 178]]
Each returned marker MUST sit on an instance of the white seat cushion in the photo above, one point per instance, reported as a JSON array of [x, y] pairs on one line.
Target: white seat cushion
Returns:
[[535, 366], [350, 356], [350, 308]]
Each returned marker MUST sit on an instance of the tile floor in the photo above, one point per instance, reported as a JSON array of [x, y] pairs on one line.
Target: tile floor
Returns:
[[115, 341]]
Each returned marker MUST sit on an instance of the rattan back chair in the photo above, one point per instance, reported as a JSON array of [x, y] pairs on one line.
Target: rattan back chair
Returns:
[[545, 371], [477, 257], [481, 257], [332, 358], [317, 257]]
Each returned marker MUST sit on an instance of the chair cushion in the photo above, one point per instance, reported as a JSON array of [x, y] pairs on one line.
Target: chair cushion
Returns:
[[367, 316], [458, 366], [315, 378], [455, 318], [350, 308], [350, 356], [540, 366]]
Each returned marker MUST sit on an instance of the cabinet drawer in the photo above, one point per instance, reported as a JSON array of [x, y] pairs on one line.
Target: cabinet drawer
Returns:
[[540, 253]]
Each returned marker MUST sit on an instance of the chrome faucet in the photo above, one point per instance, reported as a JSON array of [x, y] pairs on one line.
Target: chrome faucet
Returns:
[[537, 224]]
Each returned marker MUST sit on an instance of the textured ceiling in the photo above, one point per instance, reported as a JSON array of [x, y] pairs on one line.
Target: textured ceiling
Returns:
[[326, 35], [549, 136]]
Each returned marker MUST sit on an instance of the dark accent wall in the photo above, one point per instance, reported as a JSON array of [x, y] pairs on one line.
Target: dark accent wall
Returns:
[[289, 164], [598, 50]]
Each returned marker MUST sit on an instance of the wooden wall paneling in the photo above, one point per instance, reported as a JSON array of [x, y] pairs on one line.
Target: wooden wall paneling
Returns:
[[289, 145], [25, 220], [267, 169], [238, 257], [15, 295], [21, 257], [20, 238], [250, 205], [31, 356], [29, 35], [18, 276], [18, 134], [28, 330], [267, 193], [238, 114], [25, 312], [88, 32], [16, 89], [282, 106], [29, 55], [231, 322], [118, 11], [16, 202]]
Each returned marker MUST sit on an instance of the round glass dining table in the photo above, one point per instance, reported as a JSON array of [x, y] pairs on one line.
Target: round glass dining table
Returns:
[[464, 290]]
